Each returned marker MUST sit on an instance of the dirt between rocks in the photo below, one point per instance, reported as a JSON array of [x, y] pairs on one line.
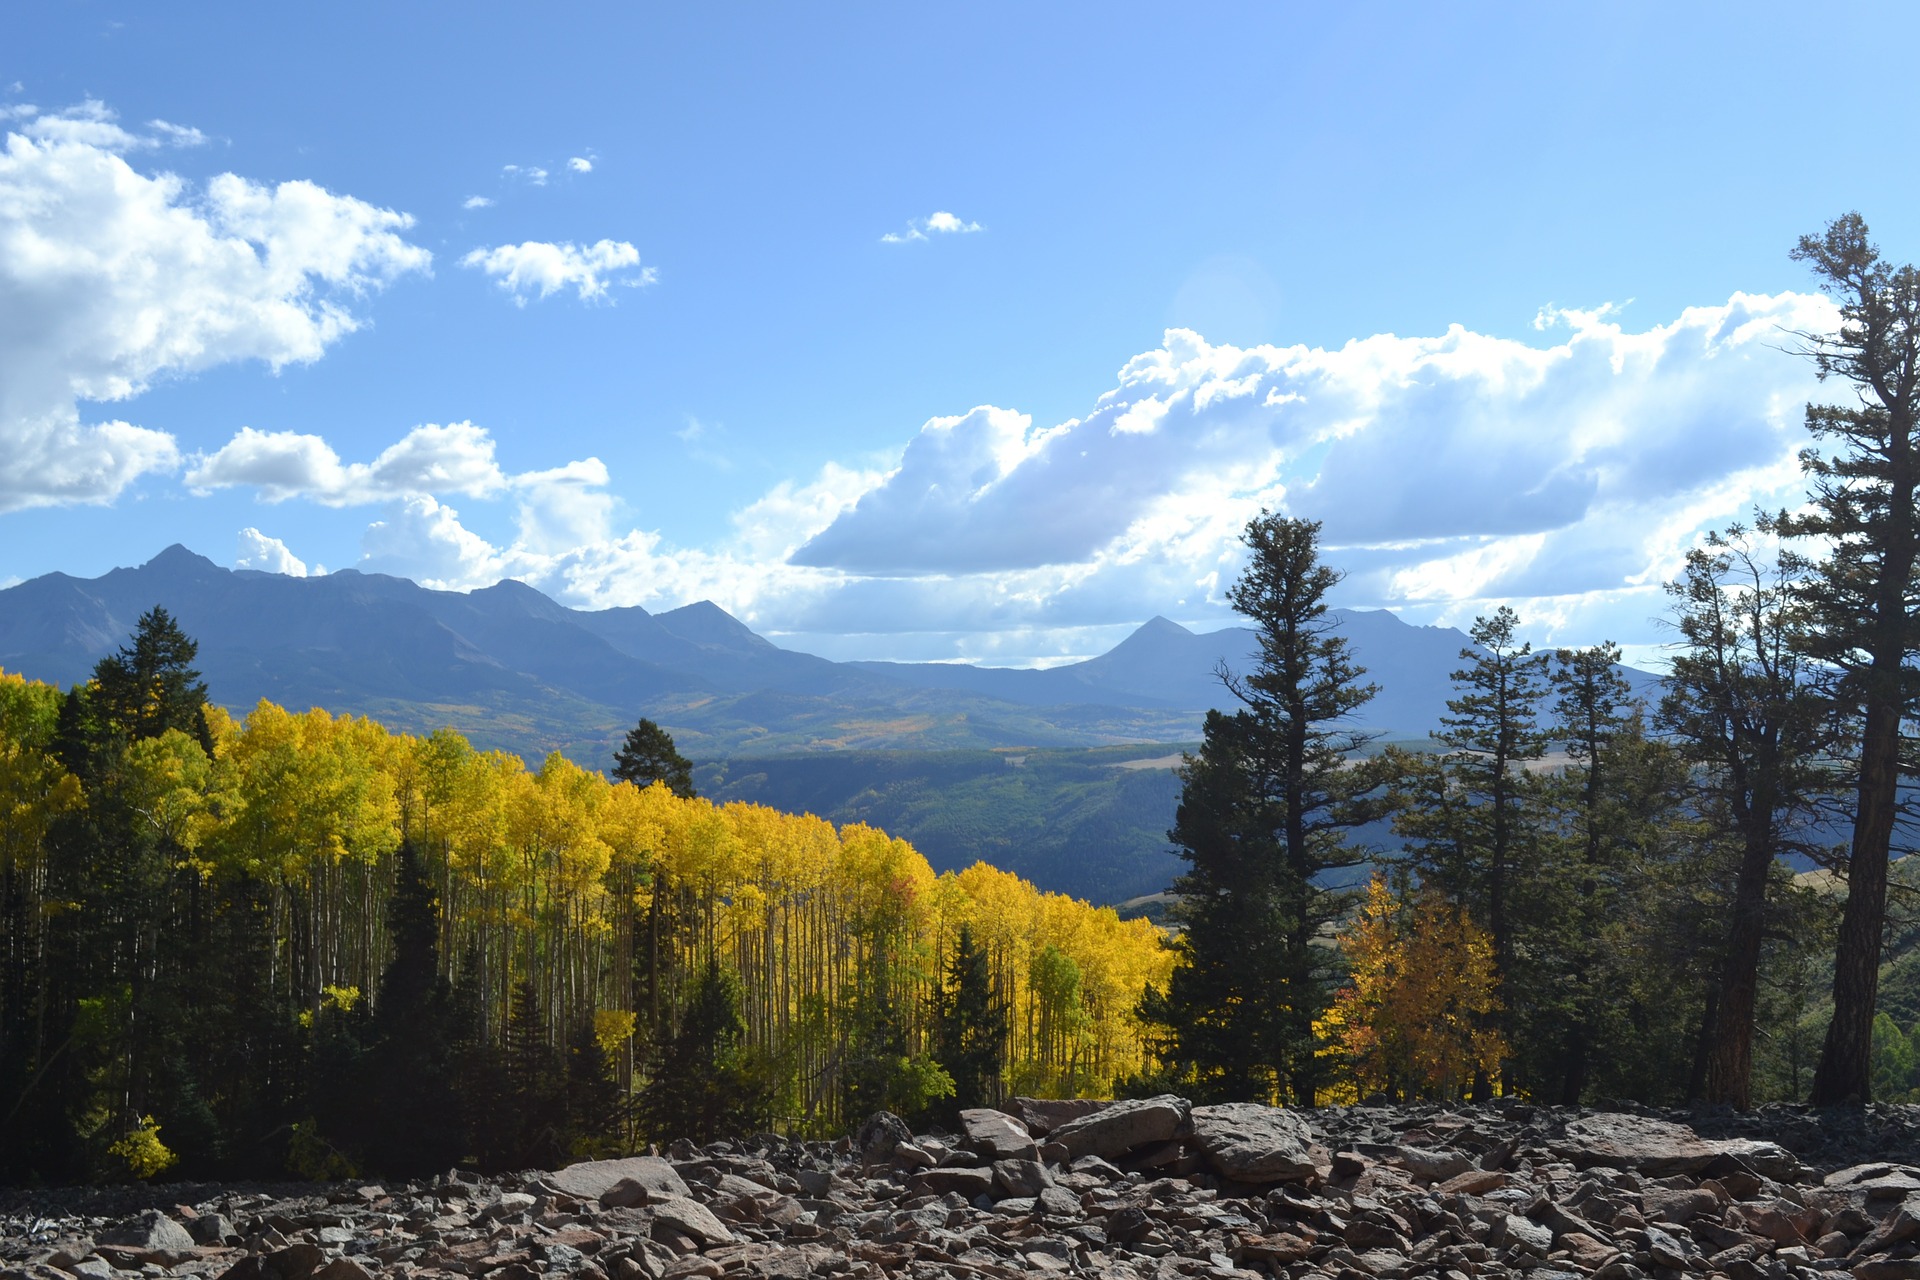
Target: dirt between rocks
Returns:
[[1149, 1189]]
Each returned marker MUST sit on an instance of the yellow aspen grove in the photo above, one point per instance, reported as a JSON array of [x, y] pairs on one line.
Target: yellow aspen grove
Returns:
[[601, 901], [1415, 1020]]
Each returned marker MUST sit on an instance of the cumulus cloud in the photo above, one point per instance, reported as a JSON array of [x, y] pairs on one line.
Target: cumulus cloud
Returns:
[[112, 279], [476, 202], [533, 175], [536, 268], [1458, 458], [580, 164], [268, 555], [1452, 473], [455, 458], [424, 540], [938, 223]]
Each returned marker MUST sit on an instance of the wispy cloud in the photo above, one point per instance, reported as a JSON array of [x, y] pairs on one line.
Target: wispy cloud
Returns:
[[938, 223], [177, 135], [703, 443], [477, 202], [532, 174]]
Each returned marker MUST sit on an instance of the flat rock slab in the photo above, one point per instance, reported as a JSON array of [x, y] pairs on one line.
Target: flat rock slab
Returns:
[[1113, 1131], [151, 1231], [692, 1218], [1646, 1145], [996, 1135], [591, 1179], [1250, 1142], [1043, 1115]]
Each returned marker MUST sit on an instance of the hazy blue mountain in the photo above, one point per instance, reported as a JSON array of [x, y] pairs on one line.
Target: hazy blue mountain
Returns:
[[1017, 767], [515, 669]]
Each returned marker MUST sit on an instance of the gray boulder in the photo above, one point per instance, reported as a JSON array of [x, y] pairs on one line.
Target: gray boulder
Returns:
[[1646, 1145], [152, 1231], [968, 1182], [1043, 1115], [592, 1179], [877, 1138], [690, 1217], [1118, 1129], [996, 1135], [1021, 1177], [1249, 1142]]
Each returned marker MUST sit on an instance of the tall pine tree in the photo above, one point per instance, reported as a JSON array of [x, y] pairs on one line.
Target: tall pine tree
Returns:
[[1864, 599], [1469, 813], [1741, 703], [410, 1089], [970, 1026], [1265, 812]]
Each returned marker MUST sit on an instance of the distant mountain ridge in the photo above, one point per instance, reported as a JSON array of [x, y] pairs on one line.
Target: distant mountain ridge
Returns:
[[514, 669]]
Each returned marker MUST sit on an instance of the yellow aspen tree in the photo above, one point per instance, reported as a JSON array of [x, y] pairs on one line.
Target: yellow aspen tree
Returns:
[[1416, 1018]]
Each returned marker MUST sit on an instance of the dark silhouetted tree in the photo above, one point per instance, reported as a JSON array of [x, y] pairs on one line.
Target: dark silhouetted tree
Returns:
[[1265, 812], [970, 1026], [411, 1082], [649, 756], [703, 1083], [1741, 703], [1863, 602]]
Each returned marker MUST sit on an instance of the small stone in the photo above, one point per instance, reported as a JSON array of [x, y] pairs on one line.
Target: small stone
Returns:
[[342, 1269], [882, 1132], [1058, 1202], [690, 1218]]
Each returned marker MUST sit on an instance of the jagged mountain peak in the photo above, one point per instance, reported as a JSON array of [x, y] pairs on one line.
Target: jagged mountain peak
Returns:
[[178, 557]]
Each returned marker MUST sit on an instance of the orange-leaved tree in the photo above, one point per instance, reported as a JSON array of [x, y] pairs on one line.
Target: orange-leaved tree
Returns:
[[1415, 1021]]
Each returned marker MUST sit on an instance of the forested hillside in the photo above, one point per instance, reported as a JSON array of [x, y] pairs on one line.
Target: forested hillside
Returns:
[[303, 942], [1090, 823]]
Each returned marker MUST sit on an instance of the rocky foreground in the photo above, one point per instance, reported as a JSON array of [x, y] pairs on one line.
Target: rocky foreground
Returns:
[[1144, 1190]]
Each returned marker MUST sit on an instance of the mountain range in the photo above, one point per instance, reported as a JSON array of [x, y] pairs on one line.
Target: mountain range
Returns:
[[514, 670]]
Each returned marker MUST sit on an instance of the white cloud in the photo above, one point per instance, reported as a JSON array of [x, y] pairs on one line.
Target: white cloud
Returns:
[[425, 541], [177, 135], [533, 175], [580, 164], [477, 202], [111, 279], [268, 555], [1453, 473], [457, 458], [538, 268], [940, 222], [1422, 450]]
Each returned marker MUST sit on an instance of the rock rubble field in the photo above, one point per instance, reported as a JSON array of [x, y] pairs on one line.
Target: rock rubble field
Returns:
[[1148, 1189]]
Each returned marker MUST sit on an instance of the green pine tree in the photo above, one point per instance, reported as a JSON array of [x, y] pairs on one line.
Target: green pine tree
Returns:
[[1265, 812], [648, 756], [409, 1092], [704, 1083], [970, 1026]]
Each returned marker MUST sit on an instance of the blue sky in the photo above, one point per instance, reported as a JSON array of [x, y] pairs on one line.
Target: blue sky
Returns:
[[925, 333]]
